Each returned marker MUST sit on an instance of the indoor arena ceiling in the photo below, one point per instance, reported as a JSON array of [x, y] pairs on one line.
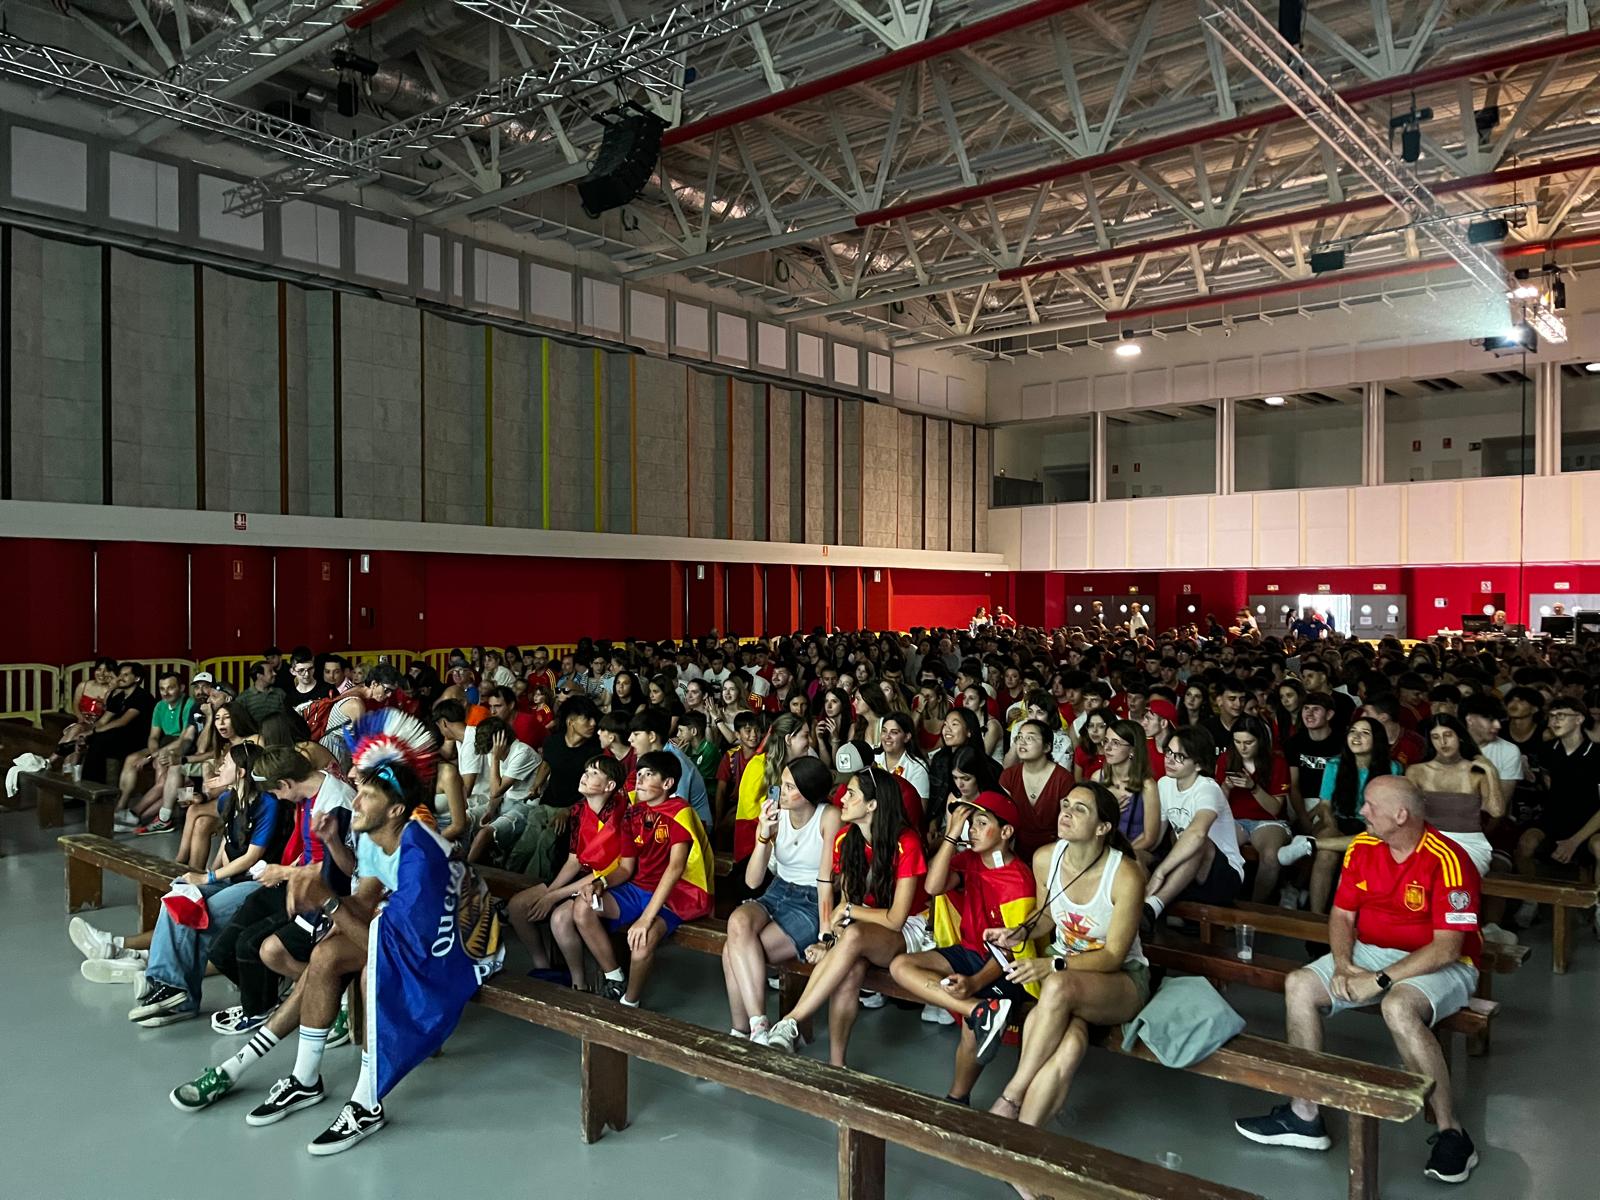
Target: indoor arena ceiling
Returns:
[[997, 177]]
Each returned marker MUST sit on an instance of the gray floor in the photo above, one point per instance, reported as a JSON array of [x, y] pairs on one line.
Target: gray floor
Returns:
[[85, 1111]]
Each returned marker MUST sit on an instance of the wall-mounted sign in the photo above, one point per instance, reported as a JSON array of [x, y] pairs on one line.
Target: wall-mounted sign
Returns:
[[1324, 587], [1438, 602], [1486, 586], [1272, 587], [240, 522], [327, 571], [1188, 589], [1380, 587], [238, 568], [366, 564], [1447, 443], [1416, 446], [1561, 585]]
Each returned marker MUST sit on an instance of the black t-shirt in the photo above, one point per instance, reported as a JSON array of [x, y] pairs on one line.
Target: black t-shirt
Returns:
[[135, 731], [1309, 758], [298, 699], [566, 769], [1574, 786]]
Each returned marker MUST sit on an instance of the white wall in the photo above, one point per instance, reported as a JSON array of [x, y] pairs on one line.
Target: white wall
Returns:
[[1464, 418], [1297, 447], [1176, 459]]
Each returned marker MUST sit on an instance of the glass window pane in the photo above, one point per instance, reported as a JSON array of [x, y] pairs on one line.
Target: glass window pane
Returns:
[[1161, 452], [1041, 462], [1580, 417], [1312, 439], [1459, 426]]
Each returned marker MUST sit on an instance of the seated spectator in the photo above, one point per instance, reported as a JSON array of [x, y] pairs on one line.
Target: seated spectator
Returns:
[[1568, 829], [1405, 745], [122, 729], [540, 710], [690, 737], [877, 880], [1087, 754], [960, 729], [1460, 788], [597, 846], [900, 755], [231, 726], [495, 673], [168, 721], [1126, 771], [730, 773], [502, 704], [1088, 885], [789, 738], [503, 771], [627, 696], [88, 707], [780, 923], [305, 685], [665, 879], [1204, 862], [568, 749], [1037, 785], [1403, 937], [976, 700], [1256, 779], [649, 733], [988, 887], [262, 697]]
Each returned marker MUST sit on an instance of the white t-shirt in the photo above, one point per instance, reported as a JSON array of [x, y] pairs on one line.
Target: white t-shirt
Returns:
[[334, 793], [372, 862], [501, 676], [1178, 809], [520, 763], [1507, 759], [912, 771]]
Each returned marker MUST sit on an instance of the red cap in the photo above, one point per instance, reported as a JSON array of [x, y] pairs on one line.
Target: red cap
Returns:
[[1164, 709], [997, 803]]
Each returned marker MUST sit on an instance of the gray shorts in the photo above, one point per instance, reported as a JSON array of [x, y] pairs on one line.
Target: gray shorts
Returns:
[[508, 825], [1448, 990]]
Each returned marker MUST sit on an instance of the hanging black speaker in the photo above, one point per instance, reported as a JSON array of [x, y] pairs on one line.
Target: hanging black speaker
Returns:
[[1291, 14], [628, 154]]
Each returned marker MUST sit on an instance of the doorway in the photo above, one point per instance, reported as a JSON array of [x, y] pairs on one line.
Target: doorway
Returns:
[[1330, 606]]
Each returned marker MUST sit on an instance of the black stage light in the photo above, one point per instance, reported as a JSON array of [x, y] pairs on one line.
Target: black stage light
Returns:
[[1323, 261], [1493, 230]]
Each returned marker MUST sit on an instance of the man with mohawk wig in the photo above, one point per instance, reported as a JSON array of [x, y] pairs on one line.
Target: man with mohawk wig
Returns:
[[417, 927]]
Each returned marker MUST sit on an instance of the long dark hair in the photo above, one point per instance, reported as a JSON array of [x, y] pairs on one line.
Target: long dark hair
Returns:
[[971, 760], [247, 792], [974, 727], [811, 778], [859, 878], [908, 724], [1107, 811], [1262, 732], [1469, 748], [1347, 783]]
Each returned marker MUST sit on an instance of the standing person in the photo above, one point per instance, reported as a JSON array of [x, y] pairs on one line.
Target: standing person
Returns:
[[1037, 784], [1403, 936], [1257, 783], [1126, 772], [1460, 787], [877, 878], [1204, 862], [792, 837], [1089, 885]]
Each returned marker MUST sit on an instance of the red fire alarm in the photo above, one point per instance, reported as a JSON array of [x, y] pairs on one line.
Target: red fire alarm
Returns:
[[1447, 443], [1416, 446], [238, 568], [1135, 468]]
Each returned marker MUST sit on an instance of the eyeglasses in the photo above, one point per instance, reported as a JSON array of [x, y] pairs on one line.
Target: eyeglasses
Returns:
[[1111, 742], [1178, 756]]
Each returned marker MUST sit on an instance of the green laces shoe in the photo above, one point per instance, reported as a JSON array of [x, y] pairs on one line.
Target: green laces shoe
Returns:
[[339, 1033], [212, 1086]]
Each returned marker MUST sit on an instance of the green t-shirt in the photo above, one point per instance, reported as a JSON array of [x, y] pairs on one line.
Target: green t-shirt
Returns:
[[171, 718]]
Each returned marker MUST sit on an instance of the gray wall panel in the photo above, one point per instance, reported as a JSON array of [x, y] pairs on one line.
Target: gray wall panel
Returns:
[[381, 409], [241, 385]]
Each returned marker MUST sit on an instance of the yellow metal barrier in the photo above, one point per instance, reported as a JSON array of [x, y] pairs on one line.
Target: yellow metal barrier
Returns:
[[28, 690], [400, 660], [72, 676], [437, 658], [232, 669]]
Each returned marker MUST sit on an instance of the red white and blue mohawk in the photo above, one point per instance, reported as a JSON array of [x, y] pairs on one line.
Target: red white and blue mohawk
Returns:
[[386, 736]]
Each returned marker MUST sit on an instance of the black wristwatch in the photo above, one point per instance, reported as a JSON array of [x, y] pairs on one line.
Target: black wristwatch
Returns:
[[1058, 963], [330, 906], [1383, 981]]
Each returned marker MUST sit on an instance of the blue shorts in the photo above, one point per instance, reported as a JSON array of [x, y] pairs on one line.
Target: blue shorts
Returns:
[[965, 961], [632, 900], [794, 908]]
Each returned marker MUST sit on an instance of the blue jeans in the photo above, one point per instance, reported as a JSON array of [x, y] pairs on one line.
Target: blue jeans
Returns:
[[178, 953]]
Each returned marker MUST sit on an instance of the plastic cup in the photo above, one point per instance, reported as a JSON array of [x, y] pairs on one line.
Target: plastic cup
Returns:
[[1246, 942]]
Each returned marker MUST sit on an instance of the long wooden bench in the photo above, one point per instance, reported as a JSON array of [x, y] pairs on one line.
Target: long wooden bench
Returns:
[[50, 790], [88, 856], [1564, 896], [868, 1113]]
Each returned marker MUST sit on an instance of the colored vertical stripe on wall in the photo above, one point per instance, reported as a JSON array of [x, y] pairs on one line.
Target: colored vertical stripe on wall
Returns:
[[338, 405], [199, 296], [688, 451], [283, 398], [633, 444], [488, 425], [105, 375], [730, 456], [766, 463], [544, 431], [422, 415], [599, 402], [5, 362]]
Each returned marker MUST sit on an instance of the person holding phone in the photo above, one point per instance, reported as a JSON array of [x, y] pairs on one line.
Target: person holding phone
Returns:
[[776, 926], [986, 885], [1256, 779]]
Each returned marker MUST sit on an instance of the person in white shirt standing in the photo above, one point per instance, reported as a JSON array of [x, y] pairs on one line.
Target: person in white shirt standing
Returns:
[[1204, 863]]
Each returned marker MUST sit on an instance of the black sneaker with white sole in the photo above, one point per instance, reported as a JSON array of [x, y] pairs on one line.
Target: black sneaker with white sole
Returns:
[[988, 1024], [1453, 1156], [353, 1123], [286, 1096], [1281, 1127], [613, 989], [156, 999]]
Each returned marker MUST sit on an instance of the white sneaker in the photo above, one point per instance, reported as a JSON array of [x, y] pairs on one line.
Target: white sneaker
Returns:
[[871, 1000], [125, 968], [91, 942], [1527, 913], [1500, 937], [125, 818], [759, 1030], [784, 1035], [934, 1015]]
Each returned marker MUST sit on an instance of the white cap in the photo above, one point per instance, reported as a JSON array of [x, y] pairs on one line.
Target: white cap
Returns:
[[203, 677]]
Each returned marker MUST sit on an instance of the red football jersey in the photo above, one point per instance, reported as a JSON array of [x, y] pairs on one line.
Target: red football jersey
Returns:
[[1400, 905]]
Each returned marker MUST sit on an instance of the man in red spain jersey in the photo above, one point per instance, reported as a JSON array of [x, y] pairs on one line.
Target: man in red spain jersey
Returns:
[[1403, 935], [665, 879]]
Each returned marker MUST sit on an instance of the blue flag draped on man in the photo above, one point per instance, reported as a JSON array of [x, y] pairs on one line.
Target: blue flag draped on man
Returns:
[[431, 947]]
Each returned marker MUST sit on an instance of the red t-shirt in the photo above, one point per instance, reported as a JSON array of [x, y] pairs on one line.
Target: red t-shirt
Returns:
[[525, 728], [1400, 905], [653, 830], [597, 843], [1408, 749], [1086, 762], [1243, 801], [987, 894], [539, 721], [1158, 760], [910, 864], [730, 768], [1037, 818]]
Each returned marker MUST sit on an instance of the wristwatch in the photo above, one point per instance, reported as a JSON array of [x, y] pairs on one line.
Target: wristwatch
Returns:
[[1383, 981], [330, 906], [1058, 963]]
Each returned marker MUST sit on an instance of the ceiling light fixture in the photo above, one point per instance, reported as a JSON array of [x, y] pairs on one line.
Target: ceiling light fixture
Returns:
[[1593, 368], [1128, 350], [1274, 401]]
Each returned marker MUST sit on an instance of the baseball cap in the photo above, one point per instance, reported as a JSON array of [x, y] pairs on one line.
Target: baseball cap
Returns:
[[852, 757], [1164, 709], [1320, 699], [203, 677], [997, 803]]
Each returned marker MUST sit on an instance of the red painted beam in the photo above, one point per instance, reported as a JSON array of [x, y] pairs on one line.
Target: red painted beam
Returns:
[[1201, 237], [1498, 60], [368, 13], [1336, 278], [897, 60]]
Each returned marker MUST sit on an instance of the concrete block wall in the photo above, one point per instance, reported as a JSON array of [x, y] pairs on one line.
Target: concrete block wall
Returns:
[[382, 409], [707, 458], [880, 476], [152, 387], [817, 470], [241, 387], [616, 448], [745, 459], [961, 482], [936, 485], [55, 370], [850, 472], [980, 490], [571, 408], [909, 530], [453, 401], [518, 429], [780, 452], [308, 321], [759, 399], [661, 438]]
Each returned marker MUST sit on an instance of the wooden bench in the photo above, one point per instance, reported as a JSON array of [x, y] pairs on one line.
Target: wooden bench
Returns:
[[868, 1113], [1562, 895], [51, 790], [88, 856]]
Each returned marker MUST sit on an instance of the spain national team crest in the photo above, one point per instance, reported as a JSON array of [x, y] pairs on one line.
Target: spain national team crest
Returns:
[[1416, 897]]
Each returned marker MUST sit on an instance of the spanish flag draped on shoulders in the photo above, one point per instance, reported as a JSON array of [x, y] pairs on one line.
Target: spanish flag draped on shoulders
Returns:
[[752, 795], [652, 831]]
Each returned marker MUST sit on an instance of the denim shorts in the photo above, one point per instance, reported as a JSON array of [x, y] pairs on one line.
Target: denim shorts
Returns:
[[1248, 828], [1448, 989], [794, 907]]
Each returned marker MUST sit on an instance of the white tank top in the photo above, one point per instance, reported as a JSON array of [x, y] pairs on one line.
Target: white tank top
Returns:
[[797, 853], [1082, 928]]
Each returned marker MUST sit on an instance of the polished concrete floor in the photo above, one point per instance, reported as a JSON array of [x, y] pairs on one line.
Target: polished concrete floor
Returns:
[[84, 1110]]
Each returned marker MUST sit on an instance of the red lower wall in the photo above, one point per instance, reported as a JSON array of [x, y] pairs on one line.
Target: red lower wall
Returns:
[[67, 600]]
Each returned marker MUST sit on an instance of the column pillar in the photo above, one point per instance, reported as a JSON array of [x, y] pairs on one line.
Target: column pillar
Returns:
[[1547, 419], [1372, 415], [1097, 456], [1224, 436]]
